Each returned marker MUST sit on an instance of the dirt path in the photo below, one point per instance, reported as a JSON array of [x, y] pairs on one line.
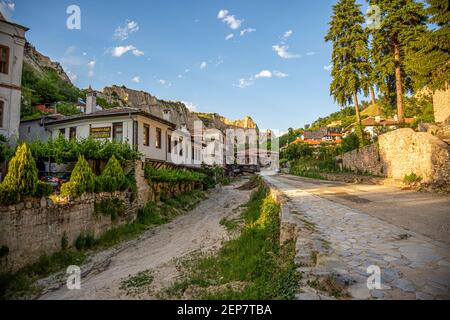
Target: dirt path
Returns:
[[156, 250]]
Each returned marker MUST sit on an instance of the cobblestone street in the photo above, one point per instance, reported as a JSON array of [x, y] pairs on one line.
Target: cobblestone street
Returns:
[[345, 241]]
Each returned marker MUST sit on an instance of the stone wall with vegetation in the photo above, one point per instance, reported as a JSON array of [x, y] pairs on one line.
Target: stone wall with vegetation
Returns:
[[400, 153], [37, 226]]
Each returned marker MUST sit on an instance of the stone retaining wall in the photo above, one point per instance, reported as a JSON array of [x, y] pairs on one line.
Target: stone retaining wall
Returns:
[[37, 226], [402, 152]]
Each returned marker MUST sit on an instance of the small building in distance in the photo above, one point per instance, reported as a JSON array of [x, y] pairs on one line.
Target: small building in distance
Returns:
[[323, 135], [375, 126]]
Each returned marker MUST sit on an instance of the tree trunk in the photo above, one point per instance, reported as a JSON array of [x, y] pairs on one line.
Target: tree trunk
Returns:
[[398, 83], [374, 100], [355, 100]]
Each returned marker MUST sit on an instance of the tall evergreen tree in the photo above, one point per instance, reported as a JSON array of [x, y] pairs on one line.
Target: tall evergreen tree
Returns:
[[350, 57], [429, 63], [402, 22], [22, 177]]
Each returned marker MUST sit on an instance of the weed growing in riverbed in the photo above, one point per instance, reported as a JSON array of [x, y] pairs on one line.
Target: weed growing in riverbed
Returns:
[[255, 260], [137, 283]]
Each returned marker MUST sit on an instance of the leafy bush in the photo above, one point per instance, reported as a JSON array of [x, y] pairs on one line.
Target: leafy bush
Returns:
[[149, 214], [212, 175], [412, 178], [112, 178], [43, 190], [298, 150], [112, 207], [22, 177], [81, 180], [172, 175], [61, 150], [349, 143], [85, 241]]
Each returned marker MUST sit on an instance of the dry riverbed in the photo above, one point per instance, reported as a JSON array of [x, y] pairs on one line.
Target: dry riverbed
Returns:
[[141, 268]]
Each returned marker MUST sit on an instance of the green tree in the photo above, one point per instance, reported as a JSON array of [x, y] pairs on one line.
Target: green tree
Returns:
[[402, 22], [81, 180], [350, 57], [22, 177], [112, 178], [429, 63]]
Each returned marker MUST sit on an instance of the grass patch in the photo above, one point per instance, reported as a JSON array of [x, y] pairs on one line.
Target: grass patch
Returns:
[[22, 284], [254, 260], [136, 284]]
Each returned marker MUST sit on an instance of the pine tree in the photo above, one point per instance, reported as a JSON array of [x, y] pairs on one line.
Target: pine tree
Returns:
[[401, 23], [112, 178], [22, 177], [81, 180], [350, 57], [429, 63]]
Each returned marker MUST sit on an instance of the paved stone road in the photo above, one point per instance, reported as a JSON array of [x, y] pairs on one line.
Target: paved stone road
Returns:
[[345, 241]]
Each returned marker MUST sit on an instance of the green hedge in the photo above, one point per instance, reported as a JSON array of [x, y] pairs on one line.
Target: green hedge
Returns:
[[171, 175]]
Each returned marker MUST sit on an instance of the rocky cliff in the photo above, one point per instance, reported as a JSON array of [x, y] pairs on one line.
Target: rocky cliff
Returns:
[[179, 113], [38, 62]]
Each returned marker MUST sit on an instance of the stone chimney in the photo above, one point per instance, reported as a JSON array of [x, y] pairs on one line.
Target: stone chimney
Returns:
[[166, 114], [91, 100]]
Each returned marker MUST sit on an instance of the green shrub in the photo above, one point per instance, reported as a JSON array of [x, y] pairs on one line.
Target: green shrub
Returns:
[[412, 178], [81, 180], [43, 190], [172, 175], [149, 214], [112, 178], [112, 207], [22, 177], [85, 241], [64, 241]]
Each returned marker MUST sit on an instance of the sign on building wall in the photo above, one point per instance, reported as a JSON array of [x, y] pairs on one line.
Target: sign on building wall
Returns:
[[100, 133]]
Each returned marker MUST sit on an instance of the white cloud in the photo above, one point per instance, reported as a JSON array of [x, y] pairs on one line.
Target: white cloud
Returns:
[[231, 20], [222, 14], [91, 73], [162, 81], [180, 76], [72, 76], [203, 65], [136, 79], [328, 67], [121, 50], [228, 37], [91, 64], [186, 70], [310, 53], [244, 83], [283, 52], [123, 32], [287, 34], [191, 106], [280, 74], [7, 8], [248, 30], [264, 74]]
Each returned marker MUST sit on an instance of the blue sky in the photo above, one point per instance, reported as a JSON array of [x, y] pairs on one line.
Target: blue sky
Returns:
[[177, 50]]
